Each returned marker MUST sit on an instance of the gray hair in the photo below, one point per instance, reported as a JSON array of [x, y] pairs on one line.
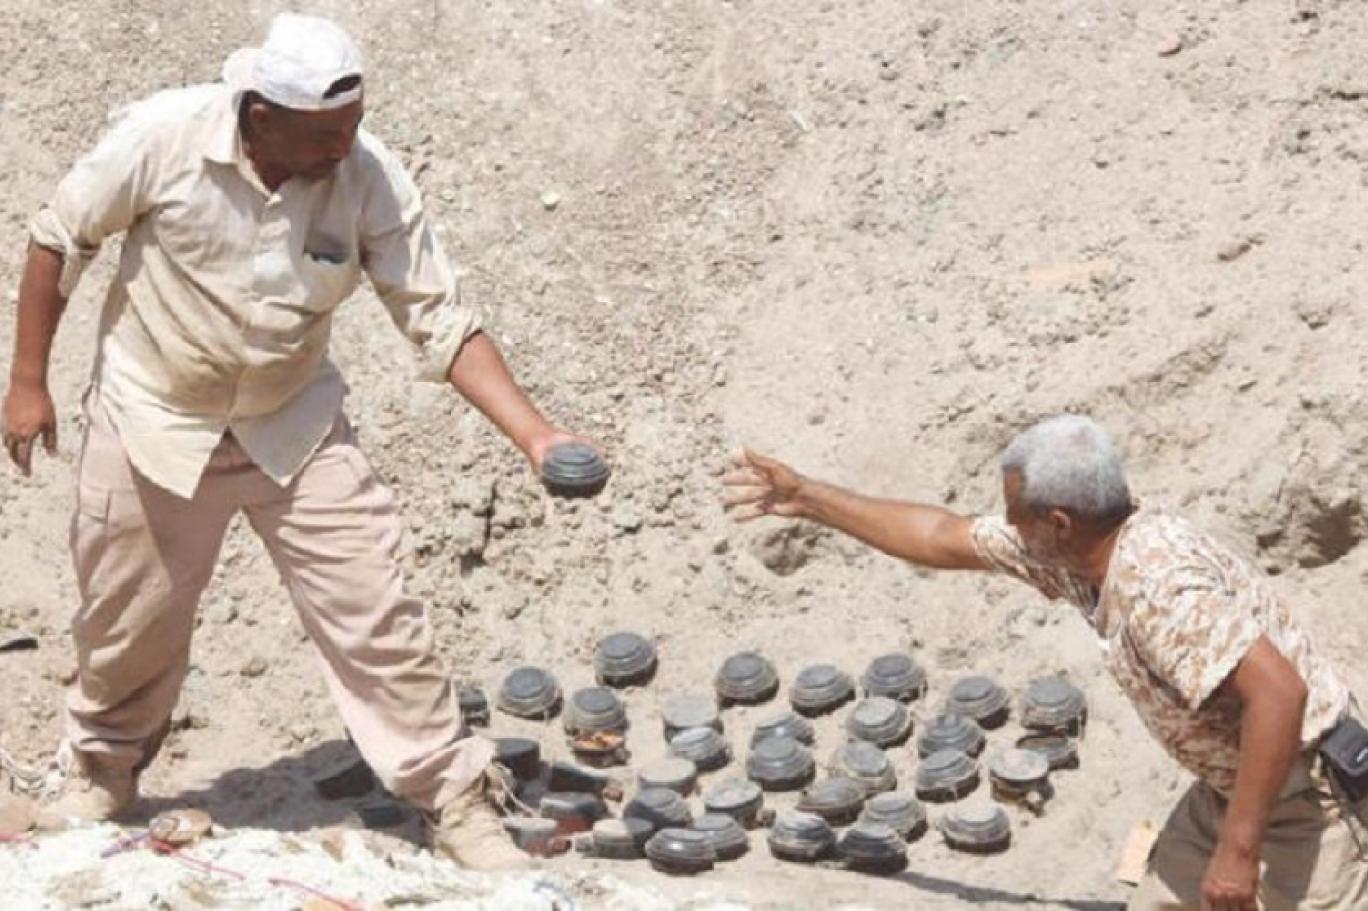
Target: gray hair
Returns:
[[1069, 462]]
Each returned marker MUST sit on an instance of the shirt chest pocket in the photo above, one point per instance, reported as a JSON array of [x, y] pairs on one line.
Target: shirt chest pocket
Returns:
[[329, 271]]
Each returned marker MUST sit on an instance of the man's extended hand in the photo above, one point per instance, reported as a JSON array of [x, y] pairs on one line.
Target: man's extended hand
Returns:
[[538, 447], [29, 414], [1231, 882], [761, 486]]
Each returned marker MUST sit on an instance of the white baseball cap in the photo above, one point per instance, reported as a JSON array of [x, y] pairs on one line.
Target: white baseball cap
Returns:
[[303, 57]]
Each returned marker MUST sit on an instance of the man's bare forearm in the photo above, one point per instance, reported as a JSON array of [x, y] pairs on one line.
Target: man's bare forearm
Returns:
[[923, 534], [40, 310], [480, 374], [1270, 739]]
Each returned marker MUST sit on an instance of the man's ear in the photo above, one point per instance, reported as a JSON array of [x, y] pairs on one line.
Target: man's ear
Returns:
[[259, 115], [1063, 524]]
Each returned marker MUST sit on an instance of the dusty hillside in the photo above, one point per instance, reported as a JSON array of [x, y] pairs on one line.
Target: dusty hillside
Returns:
[[870, 237]]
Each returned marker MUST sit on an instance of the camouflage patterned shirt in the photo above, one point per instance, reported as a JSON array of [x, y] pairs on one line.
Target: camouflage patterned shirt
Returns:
[[1175, 615]]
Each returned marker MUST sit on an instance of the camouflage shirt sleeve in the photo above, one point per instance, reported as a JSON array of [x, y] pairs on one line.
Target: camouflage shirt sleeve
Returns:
[[1191, 629], [1000, 547]]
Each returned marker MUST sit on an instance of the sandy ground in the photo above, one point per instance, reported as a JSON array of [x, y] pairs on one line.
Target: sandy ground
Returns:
[[873, 238]]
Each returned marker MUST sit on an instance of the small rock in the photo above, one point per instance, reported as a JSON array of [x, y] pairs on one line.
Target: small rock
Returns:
[[1314, 313], [627, 520], [1233, 250], [255, 667], [1171, 46], [550, 200], [220, 612]]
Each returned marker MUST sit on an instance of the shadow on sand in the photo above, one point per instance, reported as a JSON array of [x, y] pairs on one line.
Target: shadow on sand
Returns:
[[282, 796]]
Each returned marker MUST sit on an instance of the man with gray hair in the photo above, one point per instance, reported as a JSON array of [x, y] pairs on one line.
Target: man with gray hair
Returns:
[[250, 210], [1214, 663]]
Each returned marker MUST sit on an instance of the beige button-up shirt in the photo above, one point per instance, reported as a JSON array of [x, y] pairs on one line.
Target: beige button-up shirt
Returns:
[[1175, 615], [220, 314]]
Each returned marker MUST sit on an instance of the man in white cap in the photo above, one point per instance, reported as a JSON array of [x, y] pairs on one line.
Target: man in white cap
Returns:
[[250, 210]]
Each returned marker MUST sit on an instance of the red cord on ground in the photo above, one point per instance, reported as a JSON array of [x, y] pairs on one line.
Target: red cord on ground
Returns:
[[203, 866]]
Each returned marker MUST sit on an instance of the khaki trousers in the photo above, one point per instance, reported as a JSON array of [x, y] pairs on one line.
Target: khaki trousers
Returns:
[[1310, 858], [143, 556]]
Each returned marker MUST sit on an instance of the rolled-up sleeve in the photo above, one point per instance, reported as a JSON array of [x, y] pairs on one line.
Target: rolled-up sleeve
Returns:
[[999, 545], [102, 195], [410, 272]]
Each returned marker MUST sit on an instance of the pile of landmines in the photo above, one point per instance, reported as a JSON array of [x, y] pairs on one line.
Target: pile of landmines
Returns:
[[855, 816]]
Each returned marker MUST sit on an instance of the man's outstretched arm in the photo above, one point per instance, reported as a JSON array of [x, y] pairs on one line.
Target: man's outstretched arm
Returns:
[[926, 535], [481, 375]]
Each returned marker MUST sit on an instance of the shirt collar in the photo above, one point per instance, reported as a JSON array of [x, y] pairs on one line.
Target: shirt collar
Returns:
[[224, 144]]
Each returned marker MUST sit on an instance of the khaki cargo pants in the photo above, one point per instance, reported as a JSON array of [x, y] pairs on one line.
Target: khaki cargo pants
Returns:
[[1310, 858], [143, 556]]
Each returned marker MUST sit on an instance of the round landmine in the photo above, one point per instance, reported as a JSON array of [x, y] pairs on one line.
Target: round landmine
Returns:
[[837, 800], [621, 839], [981, 699], [352, 779], [898, 810], [681, 852], [624, 659], [882, 721], [675, 774], [519, 755], [728, 838], [474, 706], [1016, 773], [704, 747], [742, 800], [746, 678], [1059, 751], [819, 689], [950, 731], [530, 692], [600, 749], [866, 763], [873, 847], [785, 724], [982, 828], [534, 835], [801, 837], [896, 675], [660, 807], [679, 713], [1054, 705], [573, 811], [566, 776], [574, 470], [592, 709], [780, 764], [946, 775]]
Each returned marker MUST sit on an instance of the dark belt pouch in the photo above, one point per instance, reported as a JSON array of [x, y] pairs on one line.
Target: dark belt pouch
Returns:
[[1345, 751]]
